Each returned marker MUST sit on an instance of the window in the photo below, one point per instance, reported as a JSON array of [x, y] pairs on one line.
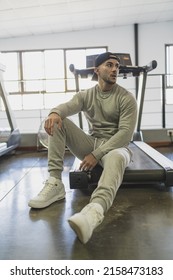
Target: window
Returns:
[[11, 74], [169, 66], [39, 75], [78, 58], [169, 74], [33, 71]]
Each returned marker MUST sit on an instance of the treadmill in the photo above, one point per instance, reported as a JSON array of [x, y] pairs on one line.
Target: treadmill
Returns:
[[9, 136], [148, 166]]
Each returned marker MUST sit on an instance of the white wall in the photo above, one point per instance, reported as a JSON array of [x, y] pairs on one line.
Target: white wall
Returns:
[[152, 40], [118, 39]]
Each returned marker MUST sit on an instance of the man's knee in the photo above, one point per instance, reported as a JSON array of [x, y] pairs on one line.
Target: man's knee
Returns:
[[65, 121], [68, 124], [118, 155]]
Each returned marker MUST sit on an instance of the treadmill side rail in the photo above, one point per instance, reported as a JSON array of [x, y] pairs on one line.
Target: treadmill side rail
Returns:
[[163, 161], [158, 157], [12, 136]]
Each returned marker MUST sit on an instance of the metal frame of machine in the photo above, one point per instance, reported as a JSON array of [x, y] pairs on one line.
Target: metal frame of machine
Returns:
[[148, 165], [9, 139]]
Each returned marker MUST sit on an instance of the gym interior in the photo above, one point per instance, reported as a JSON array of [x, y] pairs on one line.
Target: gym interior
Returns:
[[44, 46]]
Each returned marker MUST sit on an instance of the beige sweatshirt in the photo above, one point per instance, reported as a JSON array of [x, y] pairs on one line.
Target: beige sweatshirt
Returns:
[[111, 116]]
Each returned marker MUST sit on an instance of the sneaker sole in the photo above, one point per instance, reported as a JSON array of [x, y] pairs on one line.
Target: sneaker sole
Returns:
[[76, 226], [39, 205]]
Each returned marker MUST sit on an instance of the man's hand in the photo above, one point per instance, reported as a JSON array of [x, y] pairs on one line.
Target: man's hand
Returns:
[[88, 163], [50, 122]]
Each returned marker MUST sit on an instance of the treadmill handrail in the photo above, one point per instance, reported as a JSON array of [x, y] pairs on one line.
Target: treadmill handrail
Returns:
[[3, 95], [135, 70], [2, 67]]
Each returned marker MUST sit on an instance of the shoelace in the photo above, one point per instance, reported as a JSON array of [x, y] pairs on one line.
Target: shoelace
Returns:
[[96, 215], [47, 188]]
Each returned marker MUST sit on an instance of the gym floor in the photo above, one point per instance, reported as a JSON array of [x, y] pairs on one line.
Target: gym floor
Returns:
[[139, 225]]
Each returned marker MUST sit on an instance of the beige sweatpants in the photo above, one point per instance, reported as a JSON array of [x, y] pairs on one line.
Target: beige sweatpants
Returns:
[[81, 144]]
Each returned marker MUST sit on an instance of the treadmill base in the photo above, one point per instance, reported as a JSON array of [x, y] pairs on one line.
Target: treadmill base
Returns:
[[147, 166]]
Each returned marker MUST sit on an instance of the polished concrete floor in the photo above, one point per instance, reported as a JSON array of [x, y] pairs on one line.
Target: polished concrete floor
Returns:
[[138, 226]]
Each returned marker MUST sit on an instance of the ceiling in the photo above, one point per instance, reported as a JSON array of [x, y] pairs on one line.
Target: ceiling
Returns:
[[37, 17]]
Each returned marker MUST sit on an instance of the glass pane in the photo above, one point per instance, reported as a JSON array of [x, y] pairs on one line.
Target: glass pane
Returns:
[[11, 86], [54, 64], [11, 74], [11, 62], [47, 65], [55, 85], [33, 86], [87, 83], [169, 96], [169, 64], [33, 65], [78, 58], [15, 102], [169, 59], [71, 84], [52, 100], [32, 101]]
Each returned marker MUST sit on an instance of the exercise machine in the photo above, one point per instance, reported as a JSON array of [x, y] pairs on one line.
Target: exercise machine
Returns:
[[9, 136], [148, 166]]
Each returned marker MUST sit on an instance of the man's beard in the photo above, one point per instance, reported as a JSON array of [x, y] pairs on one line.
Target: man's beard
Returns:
[[109, 81]]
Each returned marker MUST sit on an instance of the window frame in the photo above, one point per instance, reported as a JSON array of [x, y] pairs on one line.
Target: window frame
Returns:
[[168, 74], [44, 98], [21, 80]]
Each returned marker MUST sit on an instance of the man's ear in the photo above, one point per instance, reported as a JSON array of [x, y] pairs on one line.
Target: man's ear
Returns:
[[96, 70]]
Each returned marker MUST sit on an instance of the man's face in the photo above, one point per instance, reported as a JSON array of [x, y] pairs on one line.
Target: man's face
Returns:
[[108, 71]]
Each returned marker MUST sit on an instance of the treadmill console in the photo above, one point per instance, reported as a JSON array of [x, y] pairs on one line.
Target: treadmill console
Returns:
[[125, 59]]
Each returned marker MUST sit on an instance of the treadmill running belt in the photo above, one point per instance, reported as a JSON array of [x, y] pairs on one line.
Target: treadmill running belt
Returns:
[[143, 168]]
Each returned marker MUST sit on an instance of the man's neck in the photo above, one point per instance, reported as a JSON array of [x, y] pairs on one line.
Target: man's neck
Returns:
[[104, 87]]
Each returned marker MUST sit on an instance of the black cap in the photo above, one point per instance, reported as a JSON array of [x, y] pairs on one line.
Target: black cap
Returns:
[[101, 59]]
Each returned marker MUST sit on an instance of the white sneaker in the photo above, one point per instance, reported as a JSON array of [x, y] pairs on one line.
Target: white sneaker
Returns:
[[52, 191], [84, 222]]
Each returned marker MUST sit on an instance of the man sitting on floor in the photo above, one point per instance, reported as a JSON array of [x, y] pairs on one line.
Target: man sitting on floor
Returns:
[[111, 112]]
